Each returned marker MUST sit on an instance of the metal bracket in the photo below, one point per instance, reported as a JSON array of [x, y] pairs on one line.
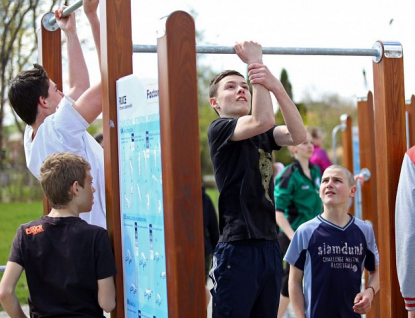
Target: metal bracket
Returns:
[[46, 24], [378, 47]]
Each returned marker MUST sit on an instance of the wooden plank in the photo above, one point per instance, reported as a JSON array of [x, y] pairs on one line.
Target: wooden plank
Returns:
[[50, 57], [116, 62], [182, 194], [366, 120], [390, 148], [410, 110], [347, 146]]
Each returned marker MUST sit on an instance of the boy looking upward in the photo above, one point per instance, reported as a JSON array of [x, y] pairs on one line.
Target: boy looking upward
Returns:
[[246, 269], [57, 122], [68, 263], [330, 253]]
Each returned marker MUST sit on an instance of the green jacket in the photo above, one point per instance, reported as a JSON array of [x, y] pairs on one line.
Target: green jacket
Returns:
[[298, 196]]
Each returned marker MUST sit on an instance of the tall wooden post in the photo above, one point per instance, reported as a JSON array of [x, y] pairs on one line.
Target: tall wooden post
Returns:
[[347, 146], [182, 194], [390, 149], [116, 62], [410, 113], [365, 120], [50, 57]]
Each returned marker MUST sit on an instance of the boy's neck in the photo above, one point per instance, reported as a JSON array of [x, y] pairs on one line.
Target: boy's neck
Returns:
[[63, 213], [337, 216]]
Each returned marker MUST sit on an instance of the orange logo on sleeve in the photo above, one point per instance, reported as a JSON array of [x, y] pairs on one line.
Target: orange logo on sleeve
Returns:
[[35, 229]]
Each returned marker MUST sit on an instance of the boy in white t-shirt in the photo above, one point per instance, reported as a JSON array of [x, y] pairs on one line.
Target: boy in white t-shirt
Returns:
[[58, 122]]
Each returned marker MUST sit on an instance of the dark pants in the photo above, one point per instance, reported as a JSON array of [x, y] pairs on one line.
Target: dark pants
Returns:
[[284, 243], [246, 279]]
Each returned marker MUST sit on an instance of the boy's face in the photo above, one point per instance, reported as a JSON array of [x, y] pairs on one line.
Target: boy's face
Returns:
[[233, 98], [86, 194], [335, 189]]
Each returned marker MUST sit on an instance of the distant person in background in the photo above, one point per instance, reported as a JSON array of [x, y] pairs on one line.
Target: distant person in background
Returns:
[[319, 157], [210, 230], [99, 137]]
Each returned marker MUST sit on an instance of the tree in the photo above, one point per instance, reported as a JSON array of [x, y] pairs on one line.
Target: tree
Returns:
[[18, 46]]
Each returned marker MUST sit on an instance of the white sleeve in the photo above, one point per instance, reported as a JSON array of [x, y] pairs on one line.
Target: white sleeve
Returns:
[[405, 229]]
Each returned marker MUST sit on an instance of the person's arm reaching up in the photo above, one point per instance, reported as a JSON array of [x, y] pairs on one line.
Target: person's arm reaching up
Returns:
[[90, 9], [78, 71]]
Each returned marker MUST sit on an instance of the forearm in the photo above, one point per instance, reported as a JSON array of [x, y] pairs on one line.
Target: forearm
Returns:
[[283, 223], [95, 28], [262, 109], [297, 300], [12, 306], [77, 69], [291, 115], [374, 280]]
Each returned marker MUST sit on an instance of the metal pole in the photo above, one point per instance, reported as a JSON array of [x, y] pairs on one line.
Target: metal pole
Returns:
[[375, 52], [49, 20]]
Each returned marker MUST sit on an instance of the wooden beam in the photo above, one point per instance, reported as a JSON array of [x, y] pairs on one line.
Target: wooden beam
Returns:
[[182, 194], [410, 111], [116, 62], [365, 120], [50, 57], [390, 148], [347, 146]]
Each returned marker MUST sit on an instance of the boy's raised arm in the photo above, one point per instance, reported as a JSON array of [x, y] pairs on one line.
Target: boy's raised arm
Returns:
[[78, 71], [262, 117], [8, 297], [295, 288]]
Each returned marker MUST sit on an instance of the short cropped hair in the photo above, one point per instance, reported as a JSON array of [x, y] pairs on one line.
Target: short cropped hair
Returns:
[[349, 175], [58, 173], [25, 90], [214, 83]]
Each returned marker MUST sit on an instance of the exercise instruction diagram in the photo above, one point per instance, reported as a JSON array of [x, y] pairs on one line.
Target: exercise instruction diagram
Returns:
[[141, 198]]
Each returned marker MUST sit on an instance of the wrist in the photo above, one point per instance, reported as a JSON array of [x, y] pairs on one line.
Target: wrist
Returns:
[[373, 291]]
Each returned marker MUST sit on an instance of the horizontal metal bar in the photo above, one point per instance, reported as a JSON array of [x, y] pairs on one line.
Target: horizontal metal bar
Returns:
[[138, 48], [67, 11]]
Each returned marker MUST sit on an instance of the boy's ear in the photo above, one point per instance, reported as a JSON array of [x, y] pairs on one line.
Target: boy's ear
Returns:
[[214, 103], [42, 101], [75, 188], [353, 191]]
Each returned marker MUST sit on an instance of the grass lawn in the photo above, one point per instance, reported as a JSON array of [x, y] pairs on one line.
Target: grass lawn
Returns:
[[11, 216]]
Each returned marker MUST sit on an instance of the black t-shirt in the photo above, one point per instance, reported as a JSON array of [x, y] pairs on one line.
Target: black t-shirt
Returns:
[[244, 176], [63, 259]]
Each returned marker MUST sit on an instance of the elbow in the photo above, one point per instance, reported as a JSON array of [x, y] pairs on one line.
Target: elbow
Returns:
[[108, 305], [267, 123], [300, 137], [5, 294]]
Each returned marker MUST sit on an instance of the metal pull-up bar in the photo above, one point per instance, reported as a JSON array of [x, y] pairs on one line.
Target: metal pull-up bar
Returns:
[[49, 20], [376, 51]]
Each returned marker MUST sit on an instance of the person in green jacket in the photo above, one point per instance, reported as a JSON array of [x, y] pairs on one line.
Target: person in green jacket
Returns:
[[297, 201]]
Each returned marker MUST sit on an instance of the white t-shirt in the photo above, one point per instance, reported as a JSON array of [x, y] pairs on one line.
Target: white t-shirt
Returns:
[[65, 131]]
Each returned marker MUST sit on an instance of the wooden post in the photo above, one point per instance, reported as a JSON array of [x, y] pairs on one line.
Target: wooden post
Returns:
[[116, 62], [347, 145], [182, 189], [390, 149], [365, 120], [410, 111], [50, 57]]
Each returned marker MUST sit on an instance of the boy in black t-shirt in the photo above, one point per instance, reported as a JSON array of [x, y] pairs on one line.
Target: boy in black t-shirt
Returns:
[[246, 268], [68, 263]]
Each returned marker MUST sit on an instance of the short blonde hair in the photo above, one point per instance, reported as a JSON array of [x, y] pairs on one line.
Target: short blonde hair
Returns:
[[58, 173], [349, 175]]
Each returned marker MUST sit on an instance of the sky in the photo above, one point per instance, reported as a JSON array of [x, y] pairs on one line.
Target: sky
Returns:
[[293, 23], [286, 23]]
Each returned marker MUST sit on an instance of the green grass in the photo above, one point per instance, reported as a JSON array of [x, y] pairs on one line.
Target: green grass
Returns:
[[11, 216]]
